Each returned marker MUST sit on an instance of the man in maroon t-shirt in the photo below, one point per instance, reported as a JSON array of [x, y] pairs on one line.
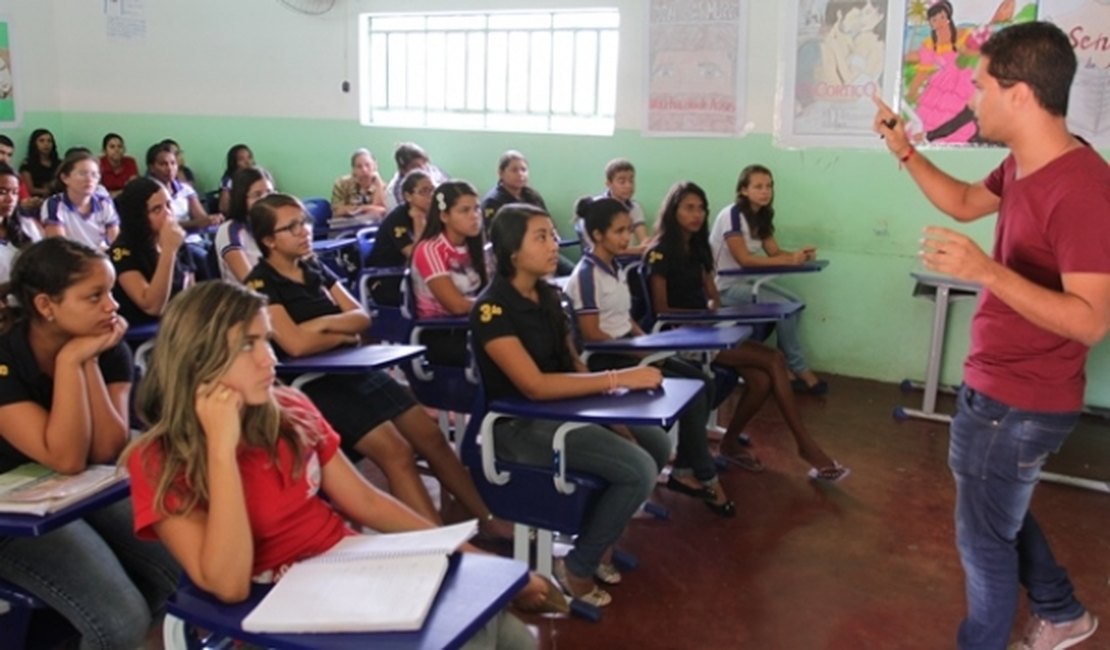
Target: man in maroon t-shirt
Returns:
[[1045, 301]]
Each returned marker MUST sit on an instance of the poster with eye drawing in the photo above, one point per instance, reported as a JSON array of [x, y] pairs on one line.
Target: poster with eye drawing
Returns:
[[695, 69], [940, 50], [1087, 24], [836, 55], [9, 98]]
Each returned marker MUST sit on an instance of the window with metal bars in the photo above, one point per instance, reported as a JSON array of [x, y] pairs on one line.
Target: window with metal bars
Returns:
[[528, 71]]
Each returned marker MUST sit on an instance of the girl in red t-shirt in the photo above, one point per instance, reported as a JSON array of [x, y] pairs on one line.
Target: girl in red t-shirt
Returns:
[[229, 473]]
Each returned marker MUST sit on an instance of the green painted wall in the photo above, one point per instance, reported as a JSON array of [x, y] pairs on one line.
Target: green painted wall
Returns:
[[863, 214]]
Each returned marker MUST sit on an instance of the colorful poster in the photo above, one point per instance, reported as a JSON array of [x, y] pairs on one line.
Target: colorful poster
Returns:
[[835, 57], [940, 51], [9, 113], [1087, 24], [695, 73]]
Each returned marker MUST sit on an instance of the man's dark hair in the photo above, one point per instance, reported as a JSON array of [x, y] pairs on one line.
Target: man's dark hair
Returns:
[[1038, 54]]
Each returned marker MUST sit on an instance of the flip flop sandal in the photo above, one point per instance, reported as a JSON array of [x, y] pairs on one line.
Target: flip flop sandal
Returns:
[[746, 461], [833, 474], [607, 574], [596, 596]]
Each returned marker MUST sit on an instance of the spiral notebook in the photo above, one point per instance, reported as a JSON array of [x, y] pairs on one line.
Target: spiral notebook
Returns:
[[365, 583]]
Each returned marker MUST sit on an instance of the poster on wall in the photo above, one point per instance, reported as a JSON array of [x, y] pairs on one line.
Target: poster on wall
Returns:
[[835, 56], [695, 67], [9, 98], [939, 52], [1087, 24]]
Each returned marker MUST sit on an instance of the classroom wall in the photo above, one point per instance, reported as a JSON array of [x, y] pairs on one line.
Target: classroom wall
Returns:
[[211, 74]]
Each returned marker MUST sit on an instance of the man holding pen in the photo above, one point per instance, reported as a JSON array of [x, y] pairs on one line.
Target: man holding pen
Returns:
[[1045, 301]]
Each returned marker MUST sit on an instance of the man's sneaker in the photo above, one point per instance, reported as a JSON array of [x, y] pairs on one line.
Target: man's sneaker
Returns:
[[1042, 635]]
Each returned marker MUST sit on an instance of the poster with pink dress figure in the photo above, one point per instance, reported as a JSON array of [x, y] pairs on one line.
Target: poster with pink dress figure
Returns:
[[940, 50], [1087, 24]]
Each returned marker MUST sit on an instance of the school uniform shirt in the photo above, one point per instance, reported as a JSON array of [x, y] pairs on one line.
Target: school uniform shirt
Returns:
[[21, 380], [499, 196], [436, 257], [289, 521], [113, 180], [685, 288], [127, 257], [180, 193], [597, 288], [302, 301], [88, 229], [8, 251], [501, 311], [394, 233], [730, 222], [236, 236], [40, 176]]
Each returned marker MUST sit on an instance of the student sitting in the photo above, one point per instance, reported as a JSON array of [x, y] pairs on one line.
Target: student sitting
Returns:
[[599, 292], [116, 168], [512, 187], [396, 234], [311, 312], [410, 157], [238, 157], [522, 348], [161, 161], [79, 212], [449, 268], [184, 174], [40, 166], [238, 251], [681, 278], [360, 194], [7, 156], [149, 257], [230, 473], [620, 184], [740, 232], [16, 233], [63, 404]]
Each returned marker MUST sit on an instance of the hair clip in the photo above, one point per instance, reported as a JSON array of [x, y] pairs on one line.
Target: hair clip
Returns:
[[441, 202], [12, 301]]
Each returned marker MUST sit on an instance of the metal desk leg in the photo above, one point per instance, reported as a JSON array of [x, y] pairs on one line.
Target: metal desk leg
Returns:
[[932, 370]]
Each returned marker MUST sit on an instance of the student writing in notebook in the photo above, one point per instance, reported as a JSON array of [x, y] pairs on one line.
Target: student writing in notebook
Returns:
[[65, 379], [231, 472]]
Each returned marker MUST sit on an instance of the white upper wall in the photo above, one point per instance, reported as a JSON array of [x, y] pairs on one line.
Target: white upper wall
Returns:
[[259, 58]]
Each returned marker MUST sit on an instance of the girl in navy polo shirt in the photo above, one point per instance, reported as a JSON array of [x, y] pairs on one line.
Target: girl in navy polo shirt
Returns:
[[150, 257], [681, 278], [449, 267], [40, 165], [231, 471], [78, 212], [599, 291], [238, 157], [65, 379], [523, 350], [312, 312], [396, 234]]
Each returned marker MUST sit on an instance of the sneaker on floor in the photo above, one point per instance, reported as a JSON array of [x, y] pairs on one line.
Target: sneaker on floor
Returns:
[[1043, 635]]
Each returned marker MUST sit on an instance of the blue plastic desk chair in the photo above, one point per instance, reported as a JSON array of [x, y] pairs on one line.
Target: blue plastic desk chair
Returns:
[[319, 209]]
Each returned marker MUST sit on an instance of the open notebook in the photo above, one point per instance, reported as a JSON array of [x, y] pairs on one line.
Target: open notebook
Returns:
[[366, 583], [37, 490]]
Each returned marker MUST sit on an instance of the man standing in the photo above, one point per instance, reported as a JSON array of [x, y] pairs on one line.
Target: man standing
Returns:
[[1045, 301]]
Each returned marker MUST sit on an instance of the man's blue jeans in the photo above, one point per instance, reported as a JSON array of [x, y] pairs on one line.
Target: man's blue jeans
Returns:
[[996, 453]]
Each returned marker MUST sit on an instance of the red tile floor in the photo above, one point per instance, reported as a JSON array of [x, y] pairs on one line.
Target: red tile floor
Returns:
[[869, 563]]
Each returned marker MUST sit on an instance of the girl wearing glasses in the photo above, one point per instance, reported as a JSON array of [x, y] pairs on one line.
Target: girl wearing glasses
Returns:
[[152, 264], [400, 228], [311, 312], [79, 212], [238, 251]]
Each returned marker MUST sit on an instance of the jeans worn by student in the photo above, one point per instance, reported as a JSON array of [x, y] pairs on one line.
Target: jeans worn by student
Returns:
[[996, 453], [629, 468], [106, 582]]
